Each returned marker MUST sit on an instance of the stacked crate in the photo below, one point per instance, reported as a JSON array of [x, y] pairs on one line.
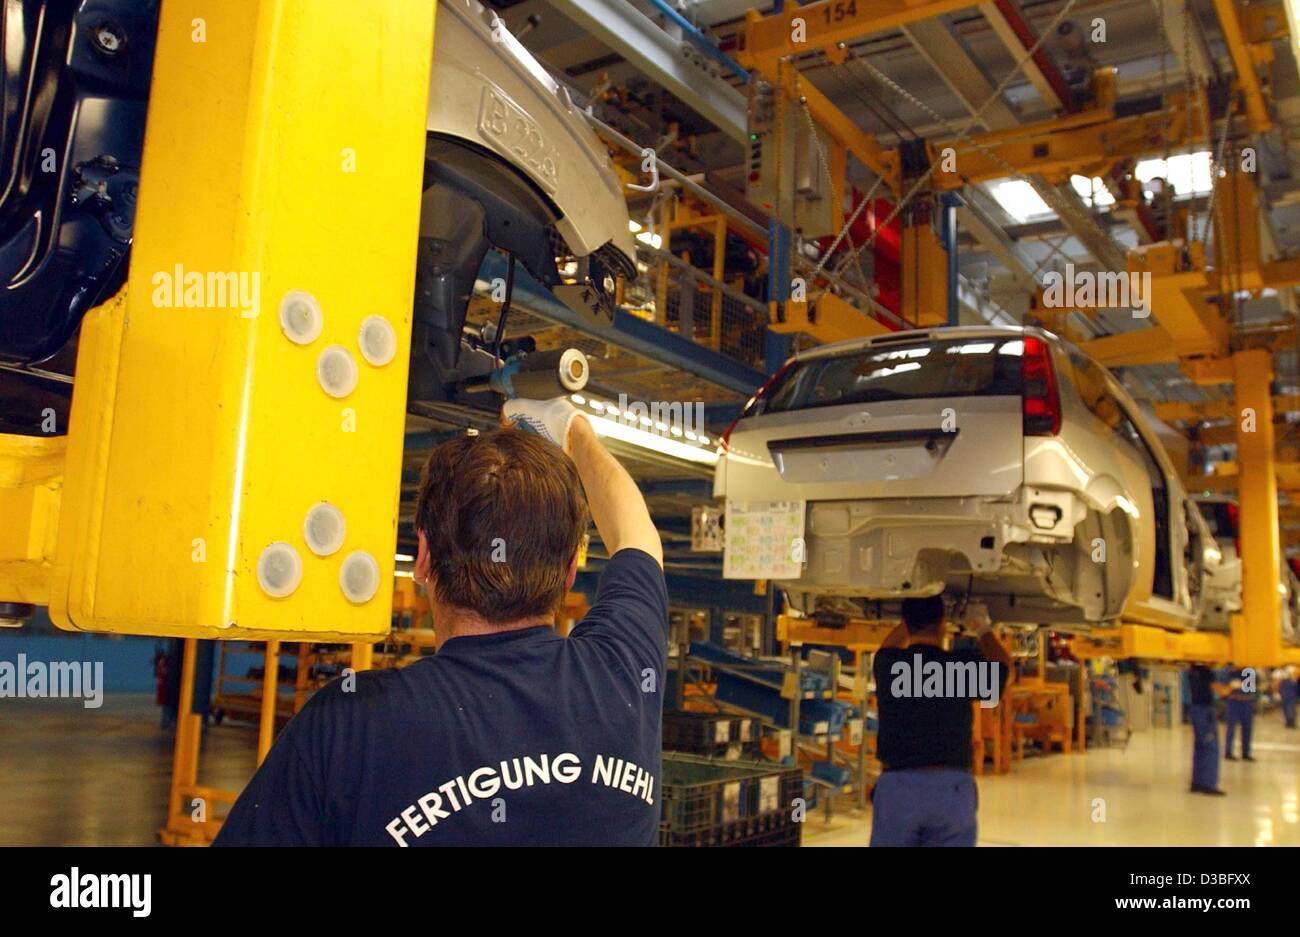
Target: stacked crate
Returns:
[[715, 802], [722, 735]]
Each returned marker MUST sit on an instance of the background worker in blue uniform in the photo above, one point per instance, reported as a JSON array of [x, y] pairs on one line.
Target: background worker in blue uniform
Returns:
[[1205, 730], [926, 795], [1238, 708], [1286, 691]]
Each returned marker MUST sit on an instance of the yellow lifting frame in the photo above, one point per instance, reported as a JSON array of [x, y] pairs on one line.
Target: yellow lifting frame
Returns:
[[1256, 632], [826, 24], [1244, 60], [200, 432], [1087, 143]]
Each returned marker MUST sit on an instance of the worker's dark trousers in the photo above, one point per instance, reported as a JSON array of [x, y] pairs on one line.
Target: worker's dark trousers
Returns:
[[1286, 690], [1239, 712], [924, 808], [1205, 749]]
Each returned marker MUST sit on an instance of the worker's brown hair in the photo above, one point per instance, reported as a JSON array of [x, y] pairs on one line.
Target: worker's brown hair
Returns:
[[503, 514]]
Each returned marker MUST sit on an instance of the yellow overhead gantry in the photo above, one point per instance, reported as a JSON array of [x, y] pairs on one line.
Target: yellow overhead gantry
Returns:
[[829, 25], [233, 459]]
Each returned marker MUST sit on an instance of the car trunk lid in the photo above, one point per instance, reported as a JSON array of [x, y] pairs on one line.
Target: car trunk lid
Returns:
[[926, 419]]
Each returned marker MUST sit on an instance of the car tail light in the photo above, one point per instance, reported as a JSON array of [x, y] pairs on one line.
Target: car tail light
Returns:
[[752, 401], [1041, 404]]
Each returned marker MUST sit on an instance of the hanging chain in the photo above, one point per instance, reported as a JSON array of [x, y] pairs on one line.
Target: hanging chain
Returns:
[[963, 134], [1164, 79], [830, 183], [1216, 166]]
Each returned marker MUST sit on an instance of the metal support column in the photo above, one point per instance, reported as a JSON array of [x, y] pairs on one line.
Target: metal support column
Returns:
[[270, 696], [363, 656], [951, 202], [795, 698], [1256, 632], [778, 262], [185, 754], [865, 659]]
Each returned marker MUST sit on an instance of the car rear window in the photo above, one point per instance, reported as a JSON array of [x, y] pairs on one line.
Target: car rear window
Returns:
[[958, 367]]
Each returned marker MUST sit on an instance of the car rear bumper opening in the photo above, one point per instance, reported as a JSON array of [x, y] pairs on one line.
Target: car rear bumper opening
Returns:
[[882, 550], [895, 548]]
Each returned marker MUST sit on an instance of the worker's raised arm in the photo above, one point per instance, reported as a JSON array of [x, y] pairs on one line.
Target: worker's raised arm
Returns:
[[993, 650], [617, 507]]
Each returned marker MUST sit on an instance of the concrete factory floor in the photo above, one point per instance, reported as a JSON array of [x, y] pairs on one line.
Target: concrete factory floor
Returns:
[[75, 776]]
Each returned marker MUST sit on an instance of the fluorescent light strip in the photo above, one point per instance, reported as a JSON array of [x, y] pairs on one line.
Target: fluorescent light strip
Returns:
[[630, 417], [651, 441]]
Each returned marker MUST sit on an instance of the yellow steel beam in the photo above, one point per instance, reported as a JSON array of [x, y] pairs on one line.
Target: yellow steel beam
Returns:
[[1226, 434], [1237, 230], [1087, 143], [1274, 337], [1209, 371], [206, 427], [1144, 642], [925, 295], [1142, 346], [858, 634], [1178, 298], [824, 25], [828, 319], [1243, 60], [1206, 647], [1211, 411], [1286, 473], [1280, 273], [1256, 632], [1206, 412], [800, 91]]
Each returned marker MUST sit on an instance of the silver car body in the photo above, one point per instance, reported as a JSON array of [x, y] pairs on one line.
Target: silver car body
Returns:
[[487, 89], [944, 492]]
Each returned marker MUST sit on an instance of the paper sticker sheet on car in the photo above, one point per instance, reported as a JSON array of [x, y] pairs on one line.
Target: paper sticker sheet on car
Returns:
[[764, 540]]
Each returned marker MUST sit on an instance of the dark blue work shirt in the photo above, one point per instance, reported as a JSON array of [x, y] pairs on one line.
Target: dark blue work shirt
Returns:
[[1200, 685], [512, 738]]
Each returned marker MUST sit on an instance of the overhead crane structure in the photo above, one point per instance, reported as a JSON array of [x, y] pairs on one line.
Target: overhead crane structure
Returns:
[[1192, 295]]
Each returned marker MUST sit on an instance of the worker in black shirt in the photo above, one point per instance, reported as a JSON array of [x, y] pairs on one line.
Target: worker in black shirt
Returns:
[[511, 734], [1205, 731], [926, 795]]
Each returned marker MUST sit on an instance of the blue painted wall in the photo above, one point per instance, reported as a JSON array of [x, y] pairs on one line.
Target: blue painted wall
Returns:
[[128, 661]]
